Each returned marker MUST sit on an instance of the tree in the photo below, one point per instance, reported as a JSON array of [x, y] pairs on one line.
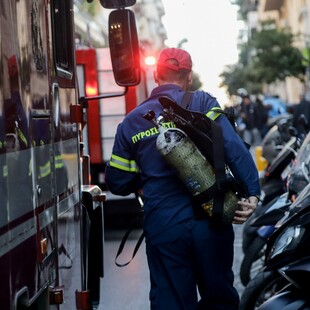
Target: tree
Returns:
[[240, 76], [196, 83], [92, 8], [274, 56], [269, 56], [245, 6]]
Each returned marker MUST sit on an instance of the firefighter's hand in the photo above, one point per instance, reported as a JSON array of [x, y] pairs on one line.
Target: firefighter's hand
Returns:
[[245, 210]]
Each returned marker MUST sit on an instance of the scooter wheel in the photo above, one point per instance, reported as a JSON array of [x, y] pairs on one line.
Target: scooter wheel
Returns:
[[263, 286], [253, 253]]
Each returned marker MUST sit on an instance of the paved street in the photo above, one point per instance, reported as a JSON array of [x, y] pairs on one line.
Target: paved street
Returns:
[[127, 288]]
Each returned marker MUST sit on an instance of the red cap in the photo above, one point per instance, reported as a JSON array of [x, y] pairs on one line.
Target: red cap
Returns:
[[183, 59]]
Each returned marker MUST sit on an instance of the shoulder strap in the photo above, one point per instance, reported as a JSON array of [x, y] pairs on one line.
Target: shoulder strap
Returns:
[[218, 152], [124, 239], [186, 99], [121, 247], [205, 133], [213, 113]]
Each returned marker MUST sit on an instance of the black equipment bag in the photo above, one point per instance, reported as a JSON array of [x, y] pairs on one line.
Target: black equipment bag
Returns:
[[203, 131]]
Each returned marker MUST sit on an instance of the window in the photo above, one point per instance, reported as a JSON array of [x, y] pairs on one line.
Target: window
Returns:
[[62, 25]]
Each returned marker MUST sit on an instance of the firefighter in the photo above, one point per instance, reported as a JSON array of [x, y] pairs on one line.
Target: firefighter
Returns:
[[184, 253]]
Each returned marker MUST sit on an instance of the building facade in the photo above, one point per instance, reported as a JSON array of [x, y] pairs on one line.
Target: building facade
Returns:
[[91, 23], [294, 14]]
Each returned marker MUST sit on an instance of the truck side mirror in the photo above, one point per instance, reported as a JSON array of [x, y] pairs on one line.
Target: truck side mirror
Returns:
[[124, 47], [116, 4]]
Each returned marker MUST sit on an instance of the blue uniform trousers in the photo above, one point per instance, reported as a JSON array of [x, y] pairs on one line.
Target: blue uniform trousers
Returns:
[[188, 256]]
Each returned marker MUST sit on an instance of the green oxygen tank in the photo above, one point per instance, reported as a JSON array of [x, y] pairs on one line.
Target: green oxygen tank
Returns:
[[193, 169]]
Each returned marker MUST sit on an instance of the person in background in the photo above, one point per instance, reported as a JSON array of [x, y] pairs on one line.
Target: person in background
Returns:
[[262, 117], [249, 114], [275, 105], [183, 252], [303, 107]]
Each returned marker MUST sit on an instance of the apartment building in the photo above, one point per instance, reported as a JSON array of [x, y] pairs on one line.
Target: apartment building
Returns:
[[294, 14]]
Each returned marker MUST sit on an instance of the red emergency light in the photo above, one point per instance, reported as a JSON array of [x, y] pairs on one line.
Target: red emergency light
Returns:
[[91, 89], [150, 60]]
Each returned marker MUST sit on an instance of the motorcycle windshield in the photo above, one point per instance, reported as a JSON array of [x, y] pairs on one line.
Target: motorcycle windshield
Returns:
[[291, 237], [299, 176], [302, 201]]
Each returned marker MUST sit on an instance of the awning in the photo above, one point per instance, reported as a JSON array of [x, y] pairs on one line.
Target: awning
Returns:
[[272, 5]]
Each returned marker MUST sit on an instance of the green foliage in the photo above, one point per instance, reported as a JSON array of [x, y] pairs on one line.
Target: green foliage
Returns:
[[275, 57], [196, 83], [269, 56], [91, 8], [239, 76], [244, 7]]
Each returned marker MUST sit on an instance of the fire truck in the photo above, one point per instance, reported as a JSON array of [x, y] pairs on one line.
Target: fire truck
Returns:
[[95, 76], [51, 217]]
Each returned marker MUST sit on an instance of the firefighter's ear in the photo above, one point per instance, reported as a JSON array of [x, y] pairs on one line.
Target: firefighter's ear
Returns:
[[190, 78], [155, 76]]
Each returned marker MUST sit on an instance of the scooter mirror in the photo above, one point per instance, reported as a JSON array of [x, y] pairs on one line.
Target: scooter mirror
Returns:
[[293, 131], [116, 4], [303, 122]]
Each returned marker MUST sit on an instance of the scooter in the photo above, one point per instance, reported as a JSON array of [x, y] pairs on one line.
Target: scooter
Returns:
[[288, 245], [288, 254], [288, 140], [265, 221], [276, 136], [264, 226], [295, 295], [273, 185]]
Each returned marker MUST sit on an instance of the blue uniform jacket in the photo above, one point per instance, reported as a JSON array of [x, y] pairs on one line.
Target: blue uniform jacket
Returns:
[[136, 163]]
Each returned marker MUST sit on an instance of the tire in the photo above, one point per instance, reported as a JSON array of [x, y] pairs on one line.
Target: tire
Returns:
[[250, 232], [261, 288], [254, 253], [273, 188]]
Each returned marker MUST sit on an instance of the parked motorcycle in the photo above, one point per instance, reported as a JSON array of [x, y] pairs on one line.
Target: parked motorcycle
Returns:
[[273, 185], [289, 244], [276, 136], [295, 295], [262, 225], [280, 147]]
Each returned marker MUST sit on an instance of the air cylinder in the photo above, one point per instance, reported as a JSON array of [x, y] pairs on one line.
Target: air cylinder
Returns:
[[193, 169]]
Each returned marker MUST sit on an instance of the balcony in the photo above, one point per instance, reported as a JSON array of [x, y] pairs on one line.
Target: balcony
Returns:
[[273, 5]]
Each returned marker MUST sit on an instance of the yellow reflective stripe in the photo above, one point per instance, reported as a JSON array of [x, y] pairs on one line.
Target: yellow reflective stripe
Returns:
[[212, 114], [45, 170], [22, 137], [30, 167], [58, 162], [59, 165], [123, 164], [5, 171]]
